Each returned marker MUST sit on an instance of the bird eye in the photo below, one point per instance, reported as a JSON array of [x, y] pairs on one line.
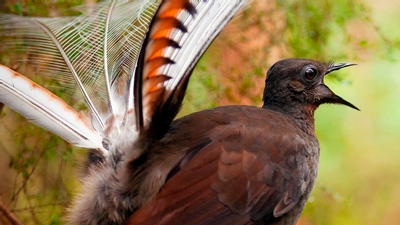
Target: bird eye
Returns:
[[310, 73]]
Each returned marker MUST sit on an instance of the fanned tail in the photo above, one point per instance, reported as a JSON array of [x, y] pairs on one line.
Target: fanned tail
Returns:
[[130, 86]]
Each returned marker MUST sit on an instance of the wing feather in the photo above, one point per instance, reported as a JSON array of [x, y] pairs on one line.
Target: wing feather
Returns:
[[241, 175]]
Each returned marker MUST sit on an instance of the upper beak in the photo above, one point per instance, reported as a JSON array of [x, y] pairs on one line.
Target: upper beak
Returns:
[[335, 98], [338, 66]]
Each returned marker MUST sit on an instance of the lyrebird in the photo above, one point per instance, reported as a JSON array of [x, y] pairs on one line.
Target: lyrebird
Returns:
[[228, 165]]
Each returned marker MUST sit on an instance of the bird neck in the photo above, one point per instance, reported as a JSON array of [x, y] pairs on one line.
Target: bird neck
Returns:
[[301, 115]]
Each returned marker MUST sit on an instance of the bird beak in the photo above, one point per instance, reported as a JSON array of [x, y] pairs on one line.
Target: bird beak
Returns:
[[338, 66], [339, 100], [333, 97]]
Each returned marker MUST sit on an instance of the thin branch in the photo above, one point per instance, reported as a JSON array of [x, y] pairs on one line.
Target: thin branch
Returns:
[[9, 215]]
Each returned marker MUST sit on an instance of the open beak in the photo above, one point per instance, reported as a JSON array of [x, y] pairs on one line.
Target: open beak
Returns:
[[335, 98]]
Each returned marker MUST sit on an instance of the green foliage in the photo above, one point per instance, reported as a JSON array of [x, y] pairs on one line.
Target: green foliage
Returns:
[[316, 29], [40, 8]]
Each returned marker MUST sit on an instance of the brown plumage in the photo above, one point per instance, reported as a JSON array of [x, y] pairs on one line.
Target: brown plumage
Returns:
[[227, 165], [242, 164]]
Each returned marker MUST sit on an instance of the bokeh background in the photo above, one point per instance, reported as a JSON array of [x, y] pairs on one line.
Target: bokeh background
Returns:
[[359, 171]]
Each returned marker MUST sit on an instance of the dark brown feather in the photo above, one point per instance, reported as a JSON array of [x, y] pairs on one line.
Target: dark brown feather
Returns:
[[246, 173]]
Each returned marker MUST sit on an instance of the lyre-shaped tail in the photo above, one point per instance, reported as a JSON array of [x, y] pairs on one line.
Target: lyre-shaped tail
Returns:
[[102, 53]]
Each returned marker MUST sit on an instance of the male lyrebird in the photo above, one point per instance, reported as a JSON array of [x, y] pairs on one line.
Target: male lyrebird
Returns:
[[227, 165]]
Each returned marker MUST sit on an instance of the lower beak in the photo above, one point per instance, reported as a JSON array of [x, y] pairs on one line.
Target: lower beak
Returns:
[[339, 100]]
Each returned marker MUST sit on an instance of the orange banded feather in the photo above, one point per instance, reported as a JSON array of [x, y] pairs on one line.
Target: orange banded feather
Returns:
[[158, 45]]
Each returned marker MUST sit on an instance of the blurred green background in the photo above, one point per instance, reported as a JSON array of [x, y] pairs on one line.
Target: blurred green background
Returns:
[[360, 154]]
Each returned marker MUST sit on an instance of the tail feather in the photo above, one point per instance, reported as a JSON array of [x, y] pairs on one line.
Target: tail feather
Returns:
[[45, 109], [85, 52], [179, 34]]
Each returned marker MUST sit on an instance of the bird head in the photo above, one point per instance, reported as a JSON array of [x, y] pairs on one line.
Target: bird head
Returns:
[[291, 83]]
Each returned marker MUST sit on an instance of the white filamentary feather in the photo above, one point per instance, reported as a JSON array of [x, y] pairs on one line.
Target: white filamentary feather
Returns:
[[93, 52]]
